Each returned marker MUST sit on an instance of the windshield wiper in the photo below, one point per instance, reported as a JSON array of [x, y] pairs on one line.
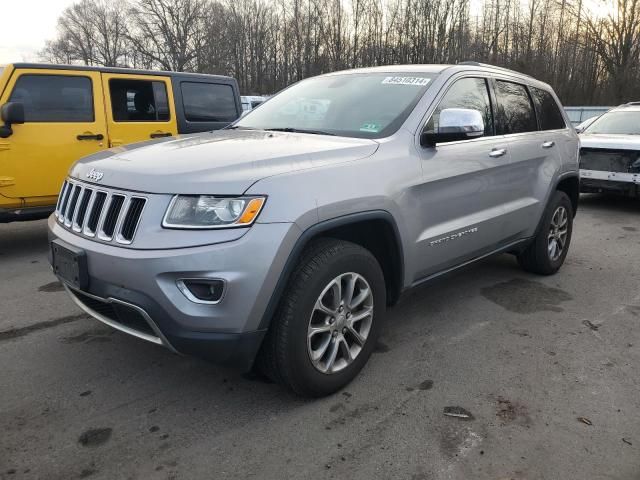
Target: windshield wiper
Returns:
[[299, 130], [238, 127]]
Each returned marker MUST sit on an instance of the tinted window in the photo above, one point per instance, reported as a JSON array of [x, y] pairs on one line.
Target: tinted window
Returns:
[[138, 101], [516, 111], [547, 110], [468, 93], [208, 102], [54, 98]]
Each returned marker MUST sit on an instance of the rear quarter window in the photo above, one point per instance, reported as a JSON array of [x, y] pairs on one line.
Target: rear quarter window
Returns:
[[54, 98], [208, 102], [547, 110]]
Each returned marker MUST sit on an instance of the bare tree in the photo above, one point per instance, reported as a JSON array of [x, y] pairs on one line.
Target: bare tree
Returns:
[[268, 44]]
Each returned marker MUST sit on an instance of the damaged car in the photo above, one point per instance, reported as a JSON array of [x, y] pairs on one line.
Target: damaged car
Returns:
[[610, 152]]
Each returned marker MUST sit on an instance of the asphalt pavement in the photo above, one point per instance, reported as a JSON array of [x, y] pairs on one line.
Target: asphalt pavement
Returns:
[[548, 368]]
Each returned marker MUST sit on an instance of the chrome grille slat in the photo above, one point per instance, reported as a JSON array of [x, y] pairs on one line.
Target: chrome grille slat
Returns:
[[96, 210], [71, 205], [112, 214], [81, 213], [63, 190], [63, 205], [99, 212], [127, 230]]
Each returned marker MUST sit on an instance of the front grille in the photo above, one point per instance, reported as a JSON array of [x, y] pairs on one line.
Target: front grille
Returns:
[[116, 312], [610, 160], [99, 212]]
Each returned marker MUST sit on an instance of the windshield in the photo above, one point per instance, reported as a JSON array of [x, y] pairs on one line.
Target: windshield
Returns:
[[368, 105], [617, 123]]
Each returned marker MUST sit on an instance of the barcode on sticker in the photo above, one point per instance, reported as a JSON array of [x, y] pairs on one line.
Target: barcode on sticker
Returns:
[[418, 81]]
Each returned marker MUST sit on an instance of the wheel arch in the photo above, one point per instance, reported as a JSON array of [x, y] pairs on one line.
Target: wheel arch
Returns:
[[374, 230], [570, 184]]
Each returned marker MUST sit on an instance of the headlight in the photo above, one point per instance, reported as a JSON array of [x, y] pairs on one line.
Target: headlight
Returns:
[[207, 211]]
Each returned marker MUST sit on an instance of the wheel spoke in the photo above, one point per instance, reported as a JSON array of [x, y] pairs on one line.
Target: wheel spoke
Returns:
[[362, 314], [356, 336], [563, 218], [333, 353], [314, 330], [362, 296], [560, 244], [337, 292], [346, 350], [323, 308], [319, 352], [348, 293]]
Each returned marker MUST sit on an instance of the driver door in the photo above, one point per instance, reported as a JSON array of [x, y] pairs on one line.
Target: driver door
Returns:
[[465, 185]]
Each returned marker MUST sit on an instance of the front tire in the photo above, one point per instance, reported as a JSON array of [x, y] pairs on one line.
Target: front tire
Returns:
[[546, 253], [328, 320]]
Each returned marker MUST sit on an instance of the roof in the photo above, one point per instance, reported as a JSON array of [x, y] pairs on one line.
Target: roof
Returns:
[[418, 68], [85, 68], [439, 68]]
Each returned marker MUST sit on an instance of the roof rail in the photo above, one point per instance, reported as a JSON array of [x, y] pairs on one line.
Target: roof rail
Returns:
[[486, 65], [630, 103]]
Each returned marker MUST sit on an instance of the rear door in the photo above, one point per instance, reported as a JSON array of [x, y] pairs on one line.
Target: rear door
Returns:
[[465, 185], [534, 153], [64, 121], [138, 107]]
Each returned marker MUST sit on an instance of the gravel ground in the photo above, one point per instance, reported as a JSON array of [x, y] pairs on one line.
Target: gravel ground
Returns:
[[548, 367]]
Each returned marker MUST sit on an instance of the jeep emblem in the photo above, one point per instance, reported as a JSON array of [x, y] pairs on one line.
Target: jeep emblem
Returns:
[[95, 175]]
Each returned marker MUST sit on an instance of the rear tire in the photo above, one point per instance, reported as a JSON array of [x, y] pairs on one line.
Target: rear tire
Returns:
[[546, 253], [317, 319]]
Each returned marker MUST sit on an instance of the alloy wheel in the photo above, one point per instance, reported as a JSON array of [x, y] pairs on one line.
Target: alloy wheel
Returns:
[[340, 323], [558, 231]]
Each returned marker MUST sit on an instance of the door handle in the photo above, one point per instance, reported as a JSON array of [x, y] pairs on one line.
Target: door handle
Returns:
[[90, 136], [160, 135], [548, 144], [497, 152]]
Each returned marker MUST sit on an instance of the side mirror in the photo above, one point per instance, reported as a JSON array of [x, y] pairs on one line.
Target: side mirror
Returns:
[[579, 129], [455, 124], [11, 113]]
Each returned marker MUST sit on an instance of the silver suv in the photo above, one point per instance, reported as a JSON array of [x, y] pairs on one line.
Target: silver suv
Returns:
[[279, 242]]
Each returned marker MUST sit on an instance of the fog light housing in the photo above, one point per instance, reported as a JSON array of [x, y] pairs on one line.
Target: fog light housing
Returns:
[[202, 290]]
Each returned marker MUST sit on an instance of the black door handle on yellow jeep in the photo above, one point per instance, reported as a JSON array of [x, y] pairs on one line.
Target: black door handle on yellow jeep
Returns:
[[160, 134], [90, 136]]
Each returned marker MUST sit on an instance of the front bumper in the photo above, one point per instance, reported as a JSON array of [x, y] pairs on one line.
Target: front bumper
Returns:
[[144, 281], [594, 181]]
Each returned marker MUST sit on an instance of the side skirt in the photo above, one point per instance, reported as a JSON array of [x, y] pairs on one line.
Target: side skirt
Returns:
[[510, 247]]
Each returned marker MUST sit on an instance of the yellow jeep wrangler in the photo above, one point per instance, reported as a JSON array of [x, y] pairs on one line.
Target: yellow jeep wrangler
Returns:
[[52, 115]]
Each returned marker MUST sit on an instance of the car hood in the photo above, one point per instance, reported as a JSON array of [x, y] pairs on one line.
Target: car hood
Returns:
[[617, 142], [224, 162]]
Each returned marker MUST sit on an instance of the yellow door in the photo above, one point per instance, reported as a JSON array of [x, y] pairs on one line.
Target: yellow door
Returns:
[[64, 121], [139, 107]]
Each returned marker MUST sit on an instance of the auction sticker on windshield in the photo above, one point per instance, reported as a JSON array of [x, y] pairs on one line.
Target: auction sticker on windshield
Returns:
[[417, 81]]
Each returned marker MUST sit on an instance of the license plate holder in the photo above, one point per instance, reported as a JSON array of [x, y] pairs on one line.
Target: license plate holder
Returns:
[[70, 264]]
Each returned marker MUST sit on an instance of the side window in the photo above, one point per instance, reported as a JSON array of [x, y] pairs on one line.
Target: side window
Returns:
[[547, 110], [208, 102], [54, 98], [138, 100], [516, 112], [469, 93]]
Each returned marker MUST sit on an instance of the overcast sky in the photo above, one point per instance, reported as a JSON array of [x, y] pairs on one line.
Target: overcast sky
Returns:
[[26, 24]]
